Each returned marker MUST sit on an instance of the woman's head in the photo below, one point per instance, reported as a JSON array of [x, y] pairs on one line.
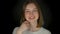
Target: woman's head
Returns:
[[32, 12]]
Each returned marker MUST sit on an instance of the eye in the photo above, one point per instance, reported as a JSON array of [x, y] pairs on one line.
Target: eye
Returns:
[[26, 11], [35, 10]]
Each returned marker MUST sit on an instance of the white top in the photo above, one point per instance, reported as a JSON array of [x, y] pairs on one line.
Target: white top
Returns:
[[40, 31]]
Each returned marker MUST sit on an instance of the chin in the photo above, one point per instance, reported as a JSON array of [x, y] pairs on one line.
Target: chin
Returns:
[[30, 20]]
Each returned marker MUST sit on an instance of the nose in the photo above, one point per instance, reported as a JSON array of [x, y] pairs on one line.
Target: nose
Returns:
[[31, 13]]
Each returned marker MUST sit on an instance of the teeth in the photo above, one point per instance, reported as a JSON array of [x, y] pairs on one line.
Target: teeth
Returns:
[[31, 17]]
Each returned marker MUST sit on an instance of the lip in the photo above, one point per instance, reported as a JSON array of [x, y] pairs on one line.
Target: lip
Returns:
[[31, 17]]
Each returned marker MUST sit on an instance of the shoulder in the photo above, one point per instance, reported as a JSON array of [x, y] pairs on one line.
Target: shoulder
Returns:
[[45, 31], [14, 30]]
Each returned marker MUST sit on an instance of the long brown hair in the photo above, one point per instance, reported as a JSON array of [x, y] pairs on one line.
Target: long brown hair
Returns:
[[40, 19]]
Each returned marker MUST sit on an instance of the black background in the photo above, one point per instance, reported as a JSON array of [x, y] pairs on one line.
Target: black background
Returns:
[[10, 23]]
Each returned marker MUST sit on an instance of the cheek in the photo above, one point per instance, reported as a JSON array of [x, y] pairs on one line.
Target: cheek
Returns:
[[26, 15], [36, 15]]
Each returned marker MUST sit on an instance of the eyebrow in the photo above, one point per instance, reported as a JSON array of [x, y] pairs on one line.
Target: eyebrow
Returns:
[[28, 9]]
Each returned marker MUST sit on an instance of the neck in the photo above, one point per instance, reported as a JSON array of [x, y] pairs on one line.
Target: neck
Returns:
[[33, 26]]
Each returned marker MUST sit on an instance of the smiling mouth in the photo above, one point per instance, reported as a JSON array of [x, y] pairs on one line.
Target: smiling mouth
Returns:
[[31, 17]]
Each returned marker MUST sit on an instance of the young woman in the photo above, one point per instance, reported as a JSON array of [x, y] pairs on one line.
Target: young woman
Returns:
[[31, 20]]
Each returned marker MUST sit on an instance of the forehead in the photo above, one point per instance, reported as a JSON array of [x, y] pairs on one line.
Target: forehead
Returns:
[[31, 6]]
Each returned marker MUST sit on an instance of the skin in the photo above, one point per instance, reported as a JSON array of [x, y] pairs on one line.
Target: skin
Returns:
[[31, 16], [31, 13]]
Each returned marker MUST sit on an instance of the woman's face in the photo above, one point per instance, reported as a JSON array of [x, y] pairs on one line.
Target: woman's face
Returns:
[[31, 13]]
